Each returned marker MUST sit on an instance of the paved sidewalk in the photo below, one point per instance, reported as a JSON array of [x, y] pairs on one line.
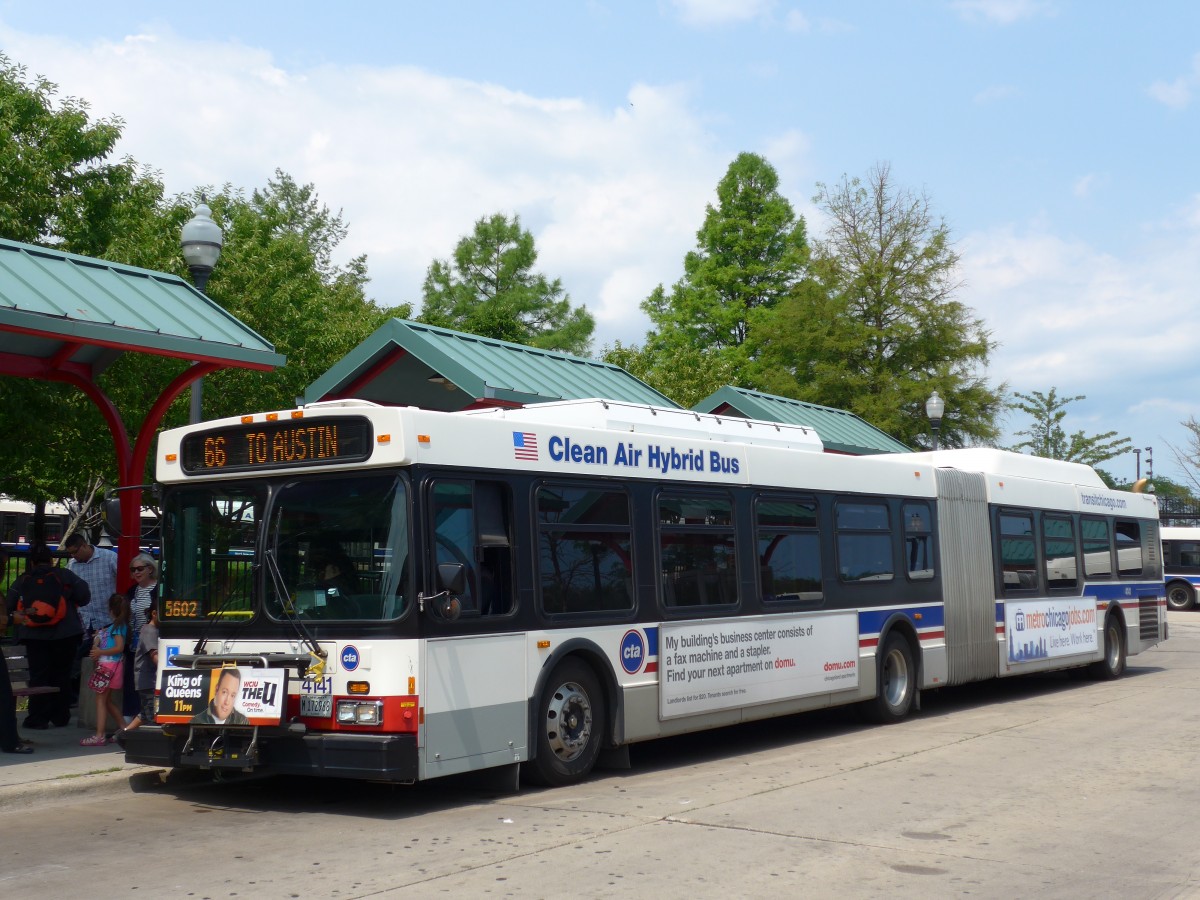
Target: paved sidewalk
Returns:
[[59, 765]]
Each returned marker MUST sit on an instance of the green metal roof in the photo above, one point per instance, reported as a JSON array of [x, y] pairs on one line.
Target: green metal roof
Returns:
[[393, 366], [65, 308], [840, 431]]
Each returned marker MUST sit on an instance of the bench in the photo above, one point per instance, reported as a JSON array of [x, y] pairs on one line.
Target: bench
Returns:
[[18, 672]]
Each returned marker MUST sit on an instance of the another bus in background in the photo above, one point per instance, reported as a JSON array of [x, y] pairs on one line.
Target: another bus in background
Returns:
[[1181, 565]]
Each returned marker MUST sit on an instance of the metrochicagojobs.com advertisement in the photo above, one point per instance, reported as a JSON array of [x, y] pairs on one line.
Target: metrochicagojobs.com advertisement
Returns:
[[1044, 629], [725, 663]]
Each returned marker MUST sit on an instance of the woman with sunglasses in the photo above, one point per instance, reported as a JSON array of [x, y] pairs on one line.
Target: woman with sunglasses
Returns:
[[141, 595]]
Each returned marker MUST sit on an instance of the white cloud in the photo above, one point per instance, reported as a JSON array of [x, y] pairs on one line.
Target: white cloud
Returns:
[[994, 94], [1001, 12], [613, 196], [796, 21], [1177, 94], [705, 13], [1087, 185], [1114, 328]]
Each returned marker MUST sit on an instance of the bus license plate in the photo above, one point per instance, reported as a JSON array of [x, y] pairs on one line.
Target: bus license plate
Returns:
[[316, 706]]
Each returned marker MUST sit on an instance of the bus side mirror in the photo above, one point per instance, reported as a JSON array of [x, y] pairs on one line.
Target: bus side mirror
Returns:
[[452, 580], [452, 577]]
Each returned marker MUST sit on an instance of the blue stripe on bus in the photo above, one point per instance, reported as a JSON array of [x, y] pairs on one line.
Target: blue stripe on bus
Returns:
[[871, 621]]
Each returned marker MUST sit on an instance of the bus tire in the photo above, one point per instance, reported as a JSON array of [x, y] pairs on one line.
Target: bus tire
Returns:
[[895, 682], [569, 728], [1113, 664], [1180, 595]]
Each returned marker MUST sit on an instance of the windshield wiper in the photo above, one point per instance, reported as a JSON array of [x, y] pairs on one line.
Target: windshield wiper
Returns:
[[289, 611]]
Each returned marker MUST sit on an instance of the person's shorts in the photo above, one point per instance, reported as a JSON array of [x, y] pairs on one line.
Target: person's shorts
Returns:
[[118, 678], [147, 712]]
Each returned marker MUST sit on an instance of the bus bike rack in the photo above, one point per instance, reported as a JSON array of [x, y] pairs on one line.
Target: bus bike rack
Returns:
[[214, 756]]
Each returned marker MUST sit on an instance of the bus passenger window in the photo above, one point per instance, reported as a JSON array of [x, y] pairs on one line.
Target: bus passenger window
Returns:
[[789, 549], [1018, 556], [584, 550], [696, 543], [1129, 548], [1097, 548], [918, 541], [1058, 536], [864, 542]]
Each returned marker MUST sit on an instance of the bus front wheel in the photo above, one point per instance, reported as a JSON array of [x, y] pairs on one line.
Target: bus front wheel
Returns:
[[570, 726], [1113, 664], [896, 682], [1180, 595]]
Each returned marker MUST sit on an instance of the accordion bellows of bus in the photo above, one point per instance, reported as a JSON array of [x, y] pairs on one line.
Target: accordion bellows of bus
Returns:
[[396, 594]]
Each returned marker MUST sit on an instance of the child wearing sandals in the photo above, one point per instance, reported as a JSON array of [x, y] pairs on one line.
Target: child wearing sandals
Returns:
[[108, 651]]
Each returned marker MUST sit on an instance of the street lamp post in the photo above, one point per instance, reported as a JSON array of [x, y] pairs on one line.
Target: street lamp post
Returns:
[[935, 407], [201, 241]]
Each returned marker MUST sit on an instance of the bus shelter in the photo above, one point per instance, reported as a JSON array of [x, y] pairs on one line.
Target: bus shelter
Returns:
[[67, 318]]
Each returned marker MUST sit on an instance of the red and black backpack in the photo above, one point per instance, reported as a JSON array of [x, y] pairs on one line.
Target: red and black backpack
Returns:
[[43, 599]]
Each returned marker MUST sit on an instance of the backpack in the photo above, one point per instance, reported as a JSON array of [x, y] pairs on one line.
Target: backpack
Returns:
[[43, 600]]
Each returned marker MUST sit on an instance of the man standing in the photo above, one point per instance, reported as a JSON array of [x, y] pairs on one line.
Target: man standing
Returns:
[[97, 567], [45, 604]]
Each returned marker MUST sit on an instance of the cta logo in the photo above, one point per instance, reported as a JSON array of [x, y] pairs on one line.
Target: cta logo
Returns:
[[349, 657], [633, 652]]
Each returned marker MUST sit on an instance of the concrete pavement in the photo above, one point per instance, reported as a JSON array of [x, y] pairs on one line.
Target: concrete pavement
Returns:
[[60, 766]]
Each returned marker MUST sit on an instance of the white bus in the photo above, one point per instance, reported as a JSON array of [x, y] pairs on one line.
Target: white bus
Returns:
[[397, 594], [1181, 565]]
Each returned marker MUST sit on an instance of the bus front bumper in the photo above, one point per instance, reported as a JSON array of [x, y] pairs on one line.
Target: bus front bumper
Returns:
[[372, 757]]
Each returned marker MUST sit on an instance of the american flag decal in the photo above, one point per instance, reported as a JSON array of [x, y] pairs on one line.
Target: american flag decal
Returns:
[[525, 445]]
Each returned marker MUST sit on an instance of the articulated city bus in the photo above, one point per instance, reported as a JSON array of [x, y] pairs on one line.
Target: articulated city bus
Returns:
[[1181, 565], [397, 594]]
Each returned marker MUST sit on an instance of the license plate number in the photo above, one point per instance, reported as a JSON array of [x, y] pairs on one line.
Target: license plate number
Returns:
[[316, 706]]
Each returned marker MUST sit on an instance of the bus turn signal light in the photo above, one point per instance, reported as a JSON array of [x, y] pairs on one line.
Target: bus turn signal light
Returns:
[[358, 687]]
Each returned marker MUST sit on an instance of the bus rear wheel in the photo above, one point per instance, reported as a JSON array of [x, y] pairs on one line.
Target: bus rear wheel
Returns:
[[1113, 664], [1180, 596], [896, 682], [570, 726]]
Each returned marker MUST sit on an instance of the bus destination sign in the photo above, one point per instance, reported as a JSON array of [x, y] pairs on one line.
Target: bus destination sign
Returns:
[[276, 445]]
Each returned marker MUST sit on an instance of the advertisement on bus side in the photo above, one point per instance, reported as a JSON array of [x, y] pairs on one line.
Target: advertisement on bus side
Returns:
[[723, 664], [1044, 629]]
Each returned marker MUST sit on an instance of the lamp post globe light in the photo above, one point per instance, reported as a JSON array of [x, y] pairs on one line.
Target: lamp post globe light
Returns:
[[935, 408], [201, 240]]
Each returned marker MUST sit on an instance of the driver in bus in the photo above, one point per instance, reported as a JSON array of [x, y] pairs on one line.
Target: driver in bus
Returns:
[[332, 569]]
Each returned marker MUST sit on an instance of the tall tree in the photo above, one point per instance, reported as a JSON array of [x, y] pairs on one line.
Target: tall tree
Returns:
[[751, 251], [1046, 436], [489, 288], [685, 375], [877, 327]]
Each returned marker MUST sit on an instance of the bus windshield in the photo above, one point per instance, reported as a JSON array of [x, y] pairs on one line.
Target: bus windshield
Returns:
[[337, 549], [341, 548]]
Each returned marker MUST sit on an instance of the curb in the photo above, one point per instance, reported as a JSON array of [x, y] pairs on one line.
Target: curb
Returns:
[[90, 786]]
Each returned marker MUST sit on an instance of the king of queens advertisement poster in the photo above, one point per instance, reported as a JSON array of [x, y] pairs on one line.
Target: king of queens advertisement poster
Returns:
[[224, 697]]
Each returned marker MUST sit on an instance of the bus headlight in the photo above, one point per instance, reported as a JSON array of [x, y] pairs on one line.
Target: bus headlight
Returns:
[[360, 712]]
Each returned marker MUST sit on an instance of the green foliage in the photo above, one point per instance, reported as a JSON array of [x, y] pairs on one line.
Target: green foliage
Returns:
[[751, 251], [1046, 436], [683, 374], [276, 274], [55, 185], [876, 328], [489, 288]]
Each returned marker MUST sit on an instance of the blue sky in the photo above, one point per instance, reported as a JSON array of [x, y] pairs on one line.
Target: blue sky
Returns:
[[1058, 140]]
